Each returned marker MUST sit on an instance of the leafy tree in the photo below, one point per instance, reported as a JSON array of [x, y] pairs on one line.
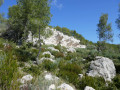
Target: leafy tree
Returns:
[[1, 2], [104, 31], [1, 15], [118, 19], [27, 16]]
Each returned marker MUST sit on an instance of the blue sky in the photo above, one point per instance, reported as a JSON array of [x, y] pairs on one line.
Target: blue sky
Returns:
[[80, 15]]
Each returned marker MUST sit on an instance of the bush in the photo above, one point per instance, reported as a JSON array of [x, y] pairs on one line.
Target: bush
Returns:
[[116, 81], [117, 66], [69, 71], [58, 54], [9, 72], [48, 65], [47, 55], [29, 44], [35, 70], [91, 55], [23, 55]]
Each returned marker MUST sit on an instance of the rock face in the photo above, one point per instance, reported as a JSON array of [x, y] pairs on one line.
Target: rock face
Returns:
[[65, 86], [63, 40], [103, 67], [57, 38], [89, 88]]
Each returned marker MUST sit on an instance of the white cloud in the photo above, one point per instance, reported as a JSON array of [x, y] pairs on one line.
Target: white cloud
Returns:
[[56, 4]]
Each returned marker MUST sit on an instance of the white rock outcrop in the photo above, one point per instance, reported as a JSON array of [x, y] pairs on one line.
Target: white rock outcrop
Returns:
[[57, 38], [103, 67], [63, 40], [89, 88], [26, 79]]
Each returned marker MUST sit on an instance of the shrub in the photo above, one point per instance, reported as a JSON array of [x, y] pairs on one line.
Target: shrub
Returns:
[[9, 72], [117, 66], [35, 70], [69, 71], [22, 55], [47, 55], [91, 55], [58, 54], [116, 81], [29, 44], [48, 65], [58, 47]]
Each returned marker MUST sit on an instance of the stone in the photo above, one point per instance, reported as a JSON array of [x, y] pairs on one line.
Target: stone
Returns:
[[49, 76], [65, 86], [26, 78], [80, 75], [71, 50], [103, 67], [52, 87], [53, 49], [89, 88]]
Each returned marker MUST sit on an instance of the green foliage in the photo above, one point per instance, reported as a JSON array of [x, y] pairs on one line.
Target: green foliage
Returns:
[[116, 81], [117, 66], [118, 19], [68, 32], [104, 30], [69, 71], [1, 2], [97, 83], [27, 16], [87, 54], [47, 55], [35, 70], [91, 55], [22, 55], [59, 55], [8, 72], [48, 65]]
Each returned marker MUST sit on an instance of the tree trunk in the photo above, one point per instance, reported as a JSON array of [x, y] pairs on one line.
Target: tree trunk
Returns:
[[39, 48]]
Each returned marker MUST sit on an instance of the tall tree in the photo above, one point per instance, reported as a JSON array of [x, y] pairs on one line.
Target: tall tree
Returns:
[[118, 19], [28, 15], [104, 31], [1, 2]]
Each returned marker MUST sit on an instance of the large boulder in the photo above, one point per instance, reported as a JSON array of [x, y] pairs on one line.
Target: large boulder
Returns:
[[103, 67]]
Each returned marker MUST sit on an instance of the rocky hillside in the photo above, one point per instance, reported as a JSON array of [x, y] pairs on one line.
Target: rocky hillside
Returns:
[[64, 64]]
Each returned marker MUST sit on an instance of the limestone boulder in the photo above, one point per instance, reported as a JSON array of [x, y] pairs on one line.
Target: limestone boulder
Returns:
[[103, 67]]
